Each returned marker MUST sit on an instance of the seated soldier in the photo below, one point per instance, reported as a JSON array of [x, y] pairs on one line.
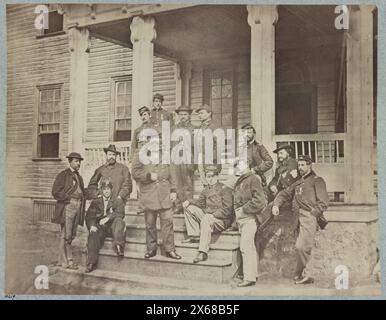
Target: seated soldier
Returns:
[[104, 217], [212, 211]]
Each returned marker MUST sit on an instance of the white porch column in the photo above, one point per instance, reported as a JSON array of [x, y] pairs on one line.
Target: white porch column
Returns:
[[359, 142], [186, 76], [79, 46], [262, 19], [143, 35]]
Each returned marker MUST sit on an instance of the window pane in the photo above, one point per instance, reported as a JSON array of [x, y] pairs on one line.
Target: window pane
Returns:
[[216, 92], [227, 91], [227, 78], [57, 94], [227, 119], [227, 105], [122, 135], [120, 88], [49, 145], [216, 81], [216, 105]]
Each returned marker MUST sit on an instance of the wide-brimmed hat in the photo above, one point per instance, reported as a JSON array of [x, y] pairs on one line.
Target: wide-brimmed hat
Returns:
[[111, 148], [74, 155], [204, 107], [183, 108], [285, 146], [158, 96]]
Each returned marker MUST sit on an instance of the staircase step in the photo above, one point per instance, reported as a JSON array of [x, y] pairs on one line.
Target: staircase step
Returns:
[[226, 237], [132, 217], [211, 270], [189, 250]]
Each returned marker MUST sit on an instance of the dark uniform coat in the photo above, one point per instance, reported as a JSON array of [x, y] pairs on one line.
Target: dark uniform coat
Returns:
[[154, 195], [260, 160], [283, 174], [118, 174], [249, 194], [96, 211], [217, 200], [308, 193], [137, 141], [64, 186], [159, 115]]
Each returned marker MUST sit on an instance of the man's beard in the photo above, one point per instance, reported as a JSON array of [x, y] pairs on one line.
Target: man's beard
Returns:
[[111, 161]]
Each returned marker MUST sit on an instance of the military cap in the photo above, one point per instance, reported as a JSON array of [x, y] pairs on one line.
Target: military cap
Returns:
[[248, 126], [111, 148], [74, 155], [183, 108], [285, 146], [158, 96], [143, 109], [305, 158], [213, 168], [106, 183], [204, 107]]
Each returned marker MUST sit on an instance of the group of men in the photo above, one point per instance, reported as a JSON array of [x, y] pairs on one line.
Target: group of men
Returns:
[[167, 189]]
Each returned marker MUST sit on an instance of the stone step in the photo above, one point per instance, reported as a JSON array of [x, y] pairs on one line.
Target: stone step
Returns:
[[227, 237], [132, 217], [189, 250], [215, 271]]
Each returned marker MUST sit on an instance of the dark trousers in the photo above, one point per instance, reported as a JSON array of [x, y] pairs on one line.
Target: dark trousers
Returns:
[[116, 229], [184, 180], [167, 231]]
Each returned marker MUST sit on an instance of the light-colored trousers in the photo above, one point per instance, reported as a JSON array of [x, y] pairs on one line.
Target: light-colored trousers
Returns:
[[248, 228], [305, 241], [200, 224]]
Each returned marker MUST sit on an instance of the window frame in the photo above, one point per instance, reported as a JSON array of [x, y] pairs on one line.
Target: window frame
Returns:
[[112, 119], [41, 33], [36, 156]]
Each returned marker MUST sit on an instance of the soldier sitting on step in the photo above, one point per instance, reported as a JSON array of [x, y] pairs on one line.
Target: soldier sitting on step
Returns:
[[105, 217], [213, 211]]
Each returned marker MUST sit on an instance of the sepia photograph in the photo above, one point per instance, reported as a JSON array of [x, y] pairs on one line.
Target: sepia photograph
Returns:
[[191, 150]]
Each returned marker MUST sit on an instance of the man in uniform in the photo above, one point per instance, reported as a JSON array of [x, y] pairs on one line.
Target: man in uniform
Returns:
[[211, 212], [117, 173], [249, 201], [185, 171], [286, 172], [157, 192], [105, 217], [258, 156], [310, 200], [205, 115], [158, 114], [68, 190]]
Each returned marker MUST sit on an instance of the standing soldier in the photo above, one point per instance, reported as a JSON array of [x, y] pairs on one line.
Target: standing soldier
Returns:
[[249, 201], [211, 212], [158, 114], [68, 190], [157, 191], [185, 171], [286, 172], [117, 173], [258, 156], [310, 200]]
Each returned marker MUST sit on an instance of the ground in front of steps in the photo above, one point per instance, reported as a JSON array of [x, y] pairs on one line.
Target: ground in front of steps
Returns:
[[32, 245]]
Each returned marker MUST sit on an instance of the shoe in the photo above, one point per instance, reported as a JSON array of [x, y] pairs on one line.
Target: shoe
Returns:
[[173, 255], [305, 280], [246, 283], [150, 254], [201, 256], [190, 240], [240, 277], [297, 278], [119, 251], [89, 268]]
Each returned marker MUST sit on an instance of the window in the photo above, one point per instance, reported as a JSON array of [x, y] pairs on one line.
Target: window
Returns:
[[55, 23], [220, 95], [49, 108], [122, 110]]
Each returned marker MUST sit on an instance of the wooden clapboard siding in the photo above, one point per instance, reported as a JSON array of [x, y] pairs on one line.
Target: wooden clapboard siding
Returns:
[[107, 61], [31, 62], [326, 107]]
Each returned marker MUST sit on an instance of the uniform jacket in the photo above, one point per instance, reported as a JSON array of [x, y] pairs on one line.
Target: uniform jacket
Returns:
[[137, 141], [118, 174], [308, 193], [283, 177], [217, 200], [260, 159], [249, 195], [96, 211], [209, 124], [159, 115], [190, 128], [154, 195], [64, 186]]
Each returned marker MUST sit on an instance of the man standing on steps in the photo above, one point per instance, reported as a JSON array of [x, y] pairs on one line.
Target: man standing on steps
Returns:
[[159, 114], [211, 212], [184, 171], [157, 191], [68, 190], [249, 201], [105, 217], [117, 173], [310, 200]]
